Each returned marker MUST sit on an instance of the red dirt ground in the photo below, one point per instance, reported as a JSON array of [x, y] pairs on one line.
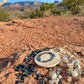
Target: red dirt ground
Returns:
[[29, 34]]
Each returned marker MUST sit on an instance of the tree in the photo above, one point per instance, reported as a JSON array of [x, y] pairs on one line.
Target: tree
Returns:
[[4, 16], [45, 6], [72, 5]]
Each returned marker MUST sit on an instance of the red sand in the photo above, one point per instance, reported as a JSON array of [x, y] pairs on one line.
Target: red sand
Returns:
[[30, 34]]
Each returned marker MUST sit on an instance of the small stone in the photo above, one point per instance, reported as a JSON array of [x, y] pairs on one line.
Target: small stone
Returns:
[[17, 67], [59, 76], [27, 60], [24, 74], [45, 79], [38, 78], [69, 71], [22, 81], [61, 50], [52, 75], [61, 60], [55, 81], [54, 49], [79, 73], [51, 50], [69, 65], [42, 82], [37, 72], [75, 60], [58, 79], [65, 59], [74, 73], [75, 53], [72, 56], [69, 79], [77, 66], [18, 76], [16, 82]]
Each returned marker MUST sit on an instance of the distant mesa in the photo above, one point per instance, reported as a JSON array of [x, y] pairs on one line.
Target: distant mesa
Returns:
[[26, 4]]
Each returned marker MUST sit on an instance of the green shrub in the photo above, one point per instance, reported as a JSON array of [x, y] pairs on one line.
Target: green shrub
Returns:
[[75, 10], [45, 6], [4, 16], [32, 15], [36, 13]]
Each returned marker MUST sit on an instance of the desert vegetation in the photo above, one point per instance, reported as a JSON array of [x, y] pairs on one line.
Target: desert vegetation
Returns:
[[65, 8]]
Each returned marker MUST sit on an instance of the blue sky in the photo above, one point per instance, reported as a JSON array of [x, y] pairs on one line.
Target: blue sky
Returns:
[[50, 1]]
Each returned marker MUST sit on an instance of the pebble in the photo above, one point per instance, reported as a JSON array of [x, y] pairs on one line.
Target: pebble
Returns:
[[27, 60], [69, 79], [77, 66], [74, 73], [69, 65], [59, 76], [16, 82], [65, 59], [45, 79], [55, 81], [69, 71], [61, 50], [75, 60], [61, 60], [52, 75], [42, 82]]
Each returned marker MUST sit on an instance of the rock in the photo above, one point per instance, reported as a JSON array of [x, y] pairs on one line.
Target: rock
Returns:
[[55, 81], [65, 59], [74, 73], [17, 82], [77, 66], [69, 65], [69, 79], [75, 60], [61, 50], [52, 75], [45, 79], [69, 71], [59, 76]]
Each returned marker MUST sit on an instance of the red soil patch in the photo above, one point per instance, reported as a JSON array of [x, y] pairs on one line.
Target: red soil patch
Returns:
[[30, 34]]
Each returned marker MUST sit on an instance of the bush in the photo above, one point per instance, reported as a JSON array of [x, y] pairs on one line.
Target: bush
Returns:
[[36, 13], [4, 16], [45, 6], [75, 10]]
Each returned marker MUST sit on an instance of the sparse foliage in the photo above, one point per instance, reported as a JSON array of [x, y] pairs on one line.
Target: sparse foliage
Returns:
[[4, 16]]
